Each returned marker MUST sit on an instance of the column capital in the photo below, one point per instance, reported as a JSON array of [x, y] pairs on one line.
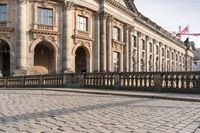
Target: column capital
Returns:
[[106, 16], [128, 27], [155, 41], [68, 5]]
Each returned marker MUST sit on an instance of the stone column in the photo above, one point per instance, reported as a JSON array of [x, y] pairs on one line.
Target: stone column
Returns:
[[153, 55], [21, 39], [127, 50], [160, 45], [138, 51], [130, 50], [103, 36], [109, 43], [67, 34], [96, 43], [147, 52]]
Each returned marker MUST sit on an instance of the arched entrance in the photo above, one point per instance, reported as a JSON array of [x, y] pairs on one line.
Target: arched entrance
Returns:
[[4, 58], [44, 58], [82, 60]]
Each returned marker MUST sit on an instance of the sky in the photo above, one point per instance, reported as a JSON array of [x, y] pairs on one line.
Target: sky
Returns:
[[170, 14]]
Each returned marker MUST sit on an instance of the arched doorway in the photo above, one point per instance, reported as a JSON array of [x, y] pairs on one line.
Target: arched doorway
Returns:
[[81, 60], [4, 58], [44, 58]]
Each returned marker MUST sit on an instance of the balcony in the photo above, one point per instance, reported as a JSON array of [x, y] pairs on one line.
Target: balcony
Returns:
[[44, 29], [83, 33]]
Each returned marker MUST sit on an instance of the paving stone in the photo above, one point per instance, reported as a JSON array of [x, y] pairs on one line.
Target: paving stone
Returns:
[[59, 112]]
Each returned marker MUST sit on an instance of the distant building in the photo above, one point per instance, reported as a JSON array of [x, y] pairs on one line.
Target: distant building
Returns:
[[58, 36], [196, 64]]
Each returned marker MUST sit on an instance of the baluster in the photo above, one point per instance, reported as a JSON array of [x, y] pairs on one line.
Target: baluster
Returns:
[[187, 81], [182, 77]]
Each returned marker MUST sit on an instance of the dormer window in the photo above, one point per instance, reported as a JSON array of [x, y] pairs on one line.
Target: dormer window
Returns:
[[3, 12], [82, 23], [45, 16]]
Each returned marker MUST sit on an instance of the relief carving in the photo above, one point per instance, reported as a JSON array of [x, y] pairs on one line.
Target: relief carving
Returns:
[[68, 5]]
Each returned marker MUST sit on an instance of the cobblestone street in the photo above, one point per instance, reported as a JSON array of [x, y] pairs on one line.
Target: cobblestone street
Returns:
[[65, 112]]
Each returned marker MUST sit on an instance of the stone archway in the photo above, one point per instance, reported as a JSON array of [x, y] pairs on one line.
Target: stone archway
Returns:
[[82, 60], [4, 58], [44, 58]]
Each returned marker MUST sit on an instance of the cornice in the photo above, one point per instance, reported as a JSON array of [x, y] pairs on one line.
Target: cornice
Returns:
[[145, 21], [83, 38], [122, 8], [159, 30]]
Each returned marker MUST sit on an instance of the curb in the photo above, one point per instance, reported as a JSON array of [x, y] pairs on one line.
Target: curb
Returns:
[[134, 94]]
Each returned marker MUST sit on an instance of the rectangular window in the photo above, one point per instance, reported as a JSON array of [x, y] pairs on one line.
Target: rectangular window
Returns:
[[45, 16], [150, 47], [163, 52], [134, 41], [172, 56], [167, 53], [142, 44], [116, 61], [116, 33], [3, 12], [157, 51], [82, 23]]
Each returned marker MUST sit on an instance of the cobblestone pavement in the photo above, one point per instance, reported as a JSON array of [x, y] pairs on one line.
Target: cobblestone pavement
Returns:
[[65, 112]]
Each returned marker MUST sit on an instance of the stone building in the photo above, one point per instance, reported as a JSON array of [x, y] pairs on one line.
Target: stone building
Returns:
[[56, 36]]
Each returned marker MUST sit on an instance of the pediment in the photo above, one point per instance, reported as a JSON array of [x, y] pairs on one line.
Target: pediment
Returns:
[[128, 4]]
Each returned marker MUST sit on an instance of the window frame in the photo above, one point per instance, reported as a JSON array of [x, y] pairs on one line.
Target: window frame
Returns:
[[143, 46], [116, 61], [134, 41], [82, 23], [150, 47], [116, 35], [45, 19], [4, 14]]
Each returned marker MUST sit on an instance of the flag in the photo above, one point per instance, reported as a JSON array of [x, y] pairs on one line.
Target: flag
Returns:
[[185, 30]]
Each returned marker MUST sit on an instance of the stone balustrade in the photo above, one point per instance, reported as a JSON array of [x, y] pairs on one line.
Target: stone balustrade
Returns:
[[6, 26], [156, 81], [43, 27]]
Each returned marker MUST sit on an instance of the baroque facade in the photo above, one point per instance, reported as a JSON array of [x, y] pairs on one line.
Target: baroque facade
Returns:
[[56, 36]]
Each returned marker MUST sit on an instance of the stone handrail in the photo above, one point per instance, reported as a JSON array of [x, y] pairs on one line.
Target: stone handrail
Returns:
[[126, 80]]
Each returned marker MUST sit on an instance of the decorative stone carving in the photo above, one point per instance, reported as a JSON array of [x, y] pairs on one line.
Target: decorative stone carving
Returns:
[[6, 35], [68, 4], [117, 46], [45, 37], [107, 16], [45, 3], [129, 27]]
